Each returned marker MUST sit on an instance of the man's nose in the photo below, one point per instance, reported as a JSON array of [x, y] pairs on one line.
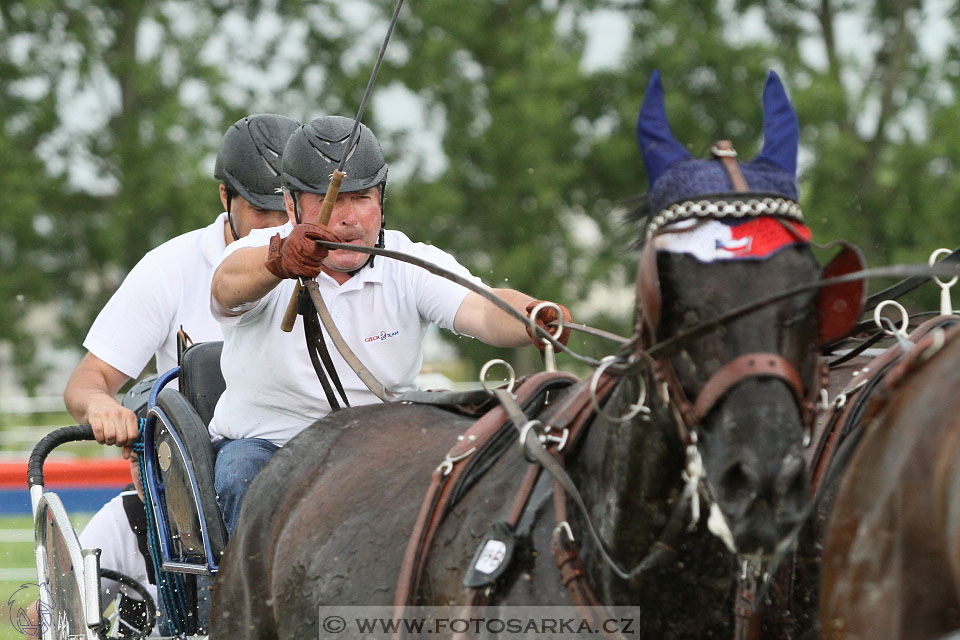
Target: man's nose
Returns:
[[344, 213]]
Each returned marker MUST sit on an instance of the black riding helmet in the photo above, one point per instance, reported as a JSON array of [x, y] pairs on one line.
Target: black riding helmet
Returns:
[[249, 160], [314, 151]]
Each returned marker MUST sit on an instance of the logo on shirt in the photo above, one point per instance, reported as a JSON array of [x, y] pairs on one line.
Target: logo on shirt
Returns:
[[383, 335]]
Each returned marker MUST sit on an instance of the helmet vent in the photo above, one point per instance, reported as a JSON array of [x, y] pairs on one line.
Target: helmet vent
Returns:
[[270, 167], [329, 159]]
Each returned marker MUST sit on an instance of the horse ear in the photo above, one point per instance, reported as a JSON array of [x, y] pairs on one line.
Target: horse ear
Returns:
[[657, 145], [839, 305], [781, 132]]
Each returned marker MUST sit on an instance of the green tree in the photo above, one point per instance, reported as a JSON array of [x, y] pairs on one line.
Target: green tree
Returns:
[[116, 107], [114, 110], [880, 121]]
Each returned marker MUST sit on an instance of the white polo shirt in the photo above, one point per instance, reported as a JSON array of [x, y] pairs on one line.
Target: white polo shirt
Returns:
[[169, 287], [109, 530], [382, 312]]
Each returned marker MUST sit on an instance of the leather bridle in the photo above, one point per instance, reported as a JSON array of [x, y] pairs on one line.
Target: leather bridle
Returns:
[[762, 364]]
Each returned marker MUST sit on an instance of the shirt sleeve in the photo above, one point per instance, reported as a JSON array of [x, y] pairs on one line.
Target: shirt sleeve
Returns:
[[256, 238], [134, 323], [438, 298], [105, 531]]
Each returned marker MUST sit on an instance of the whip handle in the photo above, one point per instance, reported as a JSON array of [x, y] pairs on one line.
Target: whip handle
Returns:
[[290, 315]]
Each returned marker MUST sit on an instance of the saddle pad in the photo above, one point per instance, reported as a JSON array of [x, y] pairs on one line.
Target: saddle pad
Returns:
[[715, 240]]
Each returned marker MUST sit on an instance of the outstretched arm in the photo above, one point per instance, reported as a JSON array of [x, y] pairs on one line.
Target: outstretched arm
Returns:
[[250, 273], [241, 280], [480, 318]]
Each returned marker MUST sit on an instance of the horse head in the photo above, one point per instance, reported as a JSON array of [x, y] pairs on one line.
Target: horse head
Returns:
[[722, 234]]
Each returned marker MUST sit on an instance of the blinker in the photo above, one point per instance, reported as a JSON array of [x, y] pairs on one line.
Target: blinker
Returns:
[[840, 305]]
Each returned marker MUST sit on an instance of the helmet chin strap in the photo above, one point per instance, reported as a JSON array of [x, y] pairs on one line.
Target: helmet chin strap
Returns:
[[233, 229]]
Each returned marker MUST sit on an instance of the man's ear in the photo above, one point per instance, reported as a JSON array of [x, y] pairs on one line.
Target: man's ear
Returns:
[[223, 195], [288, 203]]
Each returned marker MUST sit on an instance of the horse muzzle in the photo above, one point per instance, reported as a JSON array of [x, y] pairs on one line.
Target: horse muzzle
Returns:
[[762, 508]]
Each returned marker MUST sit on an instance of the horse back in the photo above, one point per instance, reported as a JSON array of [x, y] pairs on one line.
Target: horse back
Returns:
[[892, 561], [333, 509]]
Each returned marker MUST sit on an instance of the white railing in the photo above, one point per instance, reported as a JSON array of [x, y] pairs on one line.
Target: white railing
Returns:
[[31, 405]]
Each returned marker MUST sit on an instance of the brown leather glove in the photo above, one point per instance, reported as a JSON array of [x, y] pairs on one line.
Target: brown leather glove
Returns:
[[298, 255], [545, 317]]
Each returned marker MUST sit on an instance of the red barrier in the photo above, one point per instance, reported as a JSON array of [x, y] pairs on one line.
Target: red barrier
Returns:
[[80, 472]]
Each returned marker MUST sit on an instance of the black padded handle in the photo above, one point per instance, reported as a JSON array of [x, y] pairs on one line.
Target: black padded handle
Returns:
[[50, 442]]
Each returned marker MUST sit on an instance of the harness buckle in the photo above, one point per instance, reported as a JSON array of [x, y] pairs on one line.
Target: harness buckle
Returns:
[[446, 466], [545, 436], [637, 407], [563, 527]]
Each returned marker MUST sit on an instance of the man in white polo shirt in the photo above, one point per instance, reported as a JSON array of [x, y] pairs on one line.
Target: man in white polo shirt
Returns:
[[381, 307], [169, 288]]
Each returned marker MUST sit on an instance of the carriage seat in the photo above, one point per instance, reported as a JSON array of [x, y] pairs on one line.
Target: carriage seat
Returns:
[[201, 379], [185, 459]]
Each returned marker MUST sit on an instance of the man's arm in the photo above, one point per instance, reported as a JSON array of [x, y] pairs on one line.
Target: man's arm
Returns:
[[480, 318], [241, 280], [89, 398]]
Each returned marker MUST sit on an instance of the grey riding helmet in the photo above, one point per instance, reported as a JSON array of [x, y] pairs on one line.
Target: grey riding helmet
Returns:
[[249, 160], [314, 151]]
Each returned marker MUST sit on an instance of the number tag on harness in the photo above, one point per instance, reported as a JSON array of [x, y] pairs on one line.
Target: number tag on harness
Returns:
[[492, 556]]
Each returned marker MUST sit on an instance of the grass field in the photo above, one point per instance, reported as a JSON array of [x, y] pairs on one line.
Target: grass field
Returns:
[[17, 567], [18, 435]]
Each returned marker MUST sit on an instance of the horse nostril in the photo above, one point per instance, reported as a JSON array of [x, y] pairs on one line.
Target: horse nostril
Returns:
[[738, 485], [791, 479], [791, 483]]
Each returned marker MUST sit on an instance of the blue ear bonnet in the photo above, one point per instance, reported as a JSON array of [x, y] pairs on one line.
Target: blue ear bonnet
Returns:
[[676, 176]]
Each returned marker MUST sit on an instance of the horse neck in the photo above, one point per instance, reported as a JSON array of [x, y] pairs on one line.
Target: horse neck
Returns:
[[629, 476]]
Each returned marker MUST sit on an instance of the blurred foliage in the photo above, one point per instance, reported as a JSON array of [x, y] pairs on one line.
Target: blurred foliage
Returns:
[[113, 110]]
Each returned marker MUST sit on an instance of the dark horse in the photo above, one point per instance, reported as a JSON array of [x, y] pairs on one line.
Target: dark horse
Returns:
[[328, 521], [891, 565]]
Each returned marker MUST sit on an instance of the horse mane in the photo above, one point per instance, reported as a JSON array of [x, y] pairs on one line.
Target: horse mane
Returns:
[[637, 213]]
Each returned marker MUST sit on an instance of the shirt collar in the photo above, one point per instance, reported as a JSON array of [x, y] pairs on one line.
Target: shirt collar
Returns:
[[212, 242], [366, 274]]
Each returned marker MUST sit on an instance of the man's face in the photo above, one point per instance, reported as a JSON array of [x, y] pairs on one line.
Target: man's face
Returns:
[[135, 474], [356, 219], [247, 217]]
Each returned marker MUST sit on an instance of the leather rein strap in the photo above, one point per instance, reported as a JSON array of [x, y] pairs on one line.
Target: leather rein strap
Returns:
[[317, 349]]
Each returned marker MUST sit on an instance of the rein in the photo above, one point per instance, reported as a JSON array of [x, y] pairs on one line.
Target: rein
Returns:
[[897, 271], [671, 343]]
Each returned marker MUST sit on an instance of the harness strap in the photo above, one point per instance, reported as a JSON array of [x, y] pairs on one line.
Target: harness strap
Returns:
[[660, 551], [839, 421], [724, 151], [572, 573], [365, 375], [573, 416], [751, 365], [477, 597], [444, 479], [320, 357]]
